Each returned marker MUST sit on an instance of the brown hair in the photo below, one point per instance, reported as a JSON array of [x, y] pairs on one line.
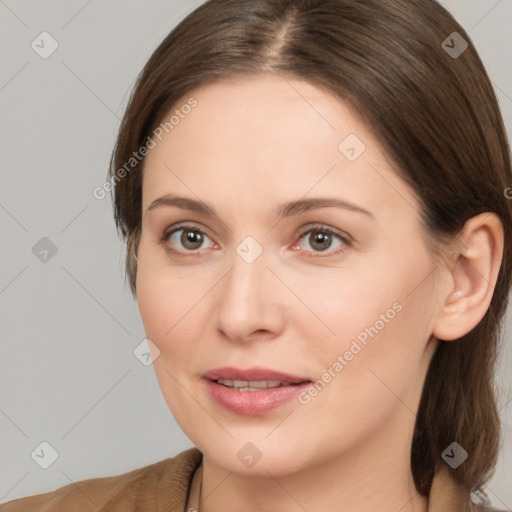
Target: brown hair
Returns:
[[436, 116]]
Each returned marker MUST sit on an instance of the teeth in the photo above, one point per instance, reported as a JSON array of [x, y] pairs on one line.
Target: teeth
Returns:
[[264, 383], [253, 385]]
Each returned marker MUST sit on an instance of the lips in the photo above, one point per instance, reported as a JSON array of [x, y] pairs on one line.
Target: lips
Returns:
[[253, 391], [254, 374]]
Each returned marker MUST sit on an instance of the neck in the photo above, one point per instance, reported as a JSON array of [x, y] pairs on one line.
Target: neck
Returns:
[[375, 476]]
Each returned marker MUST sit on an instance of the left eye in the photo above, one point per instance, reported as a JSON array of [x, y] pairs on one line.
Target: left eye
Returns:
[[320, 239]]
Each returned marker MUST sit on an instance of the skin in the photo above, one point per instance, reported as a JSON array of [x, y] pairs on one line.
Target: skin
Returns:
[[248, 147]]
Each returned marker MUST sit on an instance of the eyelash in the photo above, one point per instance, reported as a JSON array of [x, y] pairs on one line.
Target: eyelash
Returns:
[[317, 228]]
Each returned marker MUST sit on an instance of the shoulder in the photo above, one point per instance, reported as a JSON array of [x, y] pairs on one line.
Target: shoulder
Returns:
[[145, 488], [449, 496]]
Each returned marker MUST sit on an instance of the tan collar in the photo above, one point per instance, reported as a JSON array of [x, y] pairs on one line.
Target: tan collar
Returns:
[[445, 494], [174, 485]]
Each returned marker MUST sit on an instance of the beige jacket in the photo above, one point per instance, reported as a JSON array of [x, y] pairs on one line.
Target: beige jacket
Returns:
[[164, 487]]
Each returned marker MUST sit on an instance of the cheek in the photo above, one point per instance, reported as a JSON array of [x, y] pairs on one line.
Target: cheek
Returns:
[[374, 325], [153, 305], [162, 295], [163, 307], [385, 374], [174, 311], [342, 305]]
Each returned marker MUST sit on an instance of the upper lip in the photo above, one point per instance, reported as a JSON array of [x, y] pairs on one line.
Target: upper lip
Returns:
[[253, 374]]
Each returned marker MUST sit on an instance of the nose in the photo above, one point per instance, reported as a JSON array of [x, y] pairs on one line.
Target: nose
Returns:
[[251, 301]]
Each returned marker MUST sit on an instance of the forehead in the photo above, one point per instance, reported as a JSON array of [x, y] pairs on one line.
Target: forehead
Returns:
[[269, 137], [271, 102], [258, 109]]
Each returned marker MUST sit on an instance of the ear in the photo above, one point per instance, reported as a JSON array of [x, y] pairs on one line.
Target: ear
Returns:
[[472, 276]]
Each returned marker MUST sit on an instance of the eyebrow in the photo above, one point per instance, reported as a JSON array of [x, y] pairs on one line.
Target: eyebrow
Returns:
[[285, 210]]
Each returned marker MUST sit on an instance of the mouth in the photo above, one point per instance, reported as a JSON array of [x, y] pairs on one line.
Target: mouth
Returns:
[[252, 392], [253, 385]]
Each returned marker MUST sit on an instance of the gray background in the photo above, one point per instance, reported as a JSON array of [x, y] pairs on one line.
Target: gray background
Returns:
[[69, 325]]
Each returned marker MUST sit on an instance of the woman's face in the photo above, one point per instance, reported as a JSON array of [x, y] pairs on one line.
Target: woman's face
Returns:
[[263, 281]]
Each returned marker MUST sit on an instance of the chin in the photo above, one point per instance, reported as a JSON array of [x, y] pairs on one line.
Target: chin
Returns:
[[254, 455]]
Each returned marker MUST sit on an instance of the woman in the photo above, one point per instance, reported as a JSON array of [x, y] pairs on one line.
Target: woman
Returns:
[[314, 199]]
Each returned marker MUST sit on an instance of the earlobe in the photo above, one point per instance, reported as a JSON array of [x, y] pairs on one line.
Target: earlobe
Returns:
[[472, 277]]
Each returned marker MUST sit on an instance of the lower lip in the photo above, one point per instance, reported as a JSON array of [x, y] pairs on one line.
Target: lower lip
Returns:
[[253, 403]]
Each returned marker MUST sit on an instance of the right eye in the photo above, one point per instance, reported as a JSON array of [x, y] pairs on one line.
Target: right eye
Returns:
[[189, 237]]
